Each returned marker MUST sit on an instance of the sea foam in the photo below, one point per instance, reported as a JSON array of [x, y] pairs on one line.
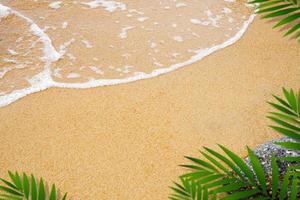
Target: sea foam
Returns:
[[53, 73]]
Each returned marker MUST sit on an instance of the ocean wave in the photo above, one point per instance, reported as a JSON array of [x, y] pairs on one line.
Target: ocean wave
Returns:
[[99, 43]]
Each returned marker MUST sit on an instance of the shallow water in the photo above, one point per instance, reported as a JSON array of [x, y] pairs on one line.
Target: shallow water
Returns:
[[82, 44]]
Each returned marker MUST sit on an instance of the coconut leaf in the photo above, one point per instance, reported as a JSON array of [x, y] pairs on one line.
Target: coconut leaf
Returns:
[[24, 188], [287, 120], [230, 186], [275, 177], [239, 163], [258, 169], [294, 189], [287, 12], [242, 195], [290, 145]]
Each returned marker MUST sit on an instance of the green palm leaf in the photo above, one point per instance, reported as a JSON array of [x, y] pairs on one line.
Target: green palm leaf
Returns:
[[242, 195], [287, 119], [22, 188], [258, 169], [187, 190], [239, 163], [275, 177], [287, 11], [204, 183], [290, 145]]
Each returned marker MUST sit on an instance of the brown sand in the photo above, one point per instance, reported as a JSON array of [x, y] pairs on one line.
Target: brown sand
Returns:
[[125, 141]]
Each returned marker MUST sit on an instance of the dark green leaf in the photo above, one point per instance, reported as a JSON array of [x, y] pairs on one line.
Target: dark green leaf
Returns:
[[240, 163], [284, 21], [26, 186], [285, 124], [196, 175], [33, 188], [282, 109], [294, 188], [42, 194], [283, 102], [284, 186], [194, 167], [53, 193], [209, 179], [9, 197], [291, 159], [270, 3], [224, 181], [215, 162], [180, 190], [275, 177], [229, 188], [281, 12], [225, 160], [9, 184], [202, 163], [16, 180], [290, 96], [258, 169], [10, 191], [257, 1], [290, 145], [241, 195], [286, 117], [274, 8], [287, 132], [299, 89]]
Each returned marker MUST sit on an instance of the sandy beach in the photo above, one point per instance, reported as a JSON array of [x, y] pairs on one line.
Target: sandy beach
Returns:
[[126, 141]]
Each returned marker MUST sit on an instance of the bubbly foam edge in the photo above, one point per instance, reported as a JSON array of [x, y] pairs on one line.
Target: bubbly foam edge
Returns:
[[17, 94]]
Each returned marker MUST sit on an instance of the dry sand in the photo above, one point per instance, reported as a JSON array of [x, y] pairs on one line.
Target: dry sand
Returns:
[[125, 141]]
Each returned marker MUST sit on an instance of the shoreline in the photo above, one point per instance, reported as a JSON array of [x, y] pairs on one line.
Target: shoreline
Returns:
[[44, 79], [126, 141]]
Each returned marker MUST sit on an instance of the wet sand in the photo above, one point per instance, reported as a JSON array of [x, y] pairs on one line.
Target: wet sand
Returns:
[[126, 141]]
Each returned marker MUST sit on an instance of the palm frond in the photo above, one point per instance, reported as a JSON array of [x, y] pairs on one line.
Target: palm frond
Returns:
[[287, 12], [25, 188], [207, 179], [287, 120]]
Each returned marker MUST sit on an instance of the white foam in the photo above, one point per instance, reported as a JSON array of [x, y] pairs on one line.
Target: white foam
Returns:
[[214, 19], [142, 19], [153, 45], [50, 54], [64, 46], [4, 11], [227, 10], [179, 5], [87, 44], [43, 80], [64, 25], [55, 5], [140, 75], [109, 6], [123, 33], [178, 38], [3, 71], [96, 69], [199, 22], [12, 52]]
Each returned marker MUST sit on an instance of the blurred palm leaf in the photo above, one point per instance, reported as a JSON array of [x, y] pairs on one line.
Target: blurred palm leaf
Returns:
[[25, 188], [287, 120], [226, 176], [287, 11]]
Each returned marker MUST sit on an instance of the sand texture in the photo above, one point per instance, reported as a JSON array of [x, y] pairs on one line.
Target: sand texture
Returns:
[[126, 141]]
